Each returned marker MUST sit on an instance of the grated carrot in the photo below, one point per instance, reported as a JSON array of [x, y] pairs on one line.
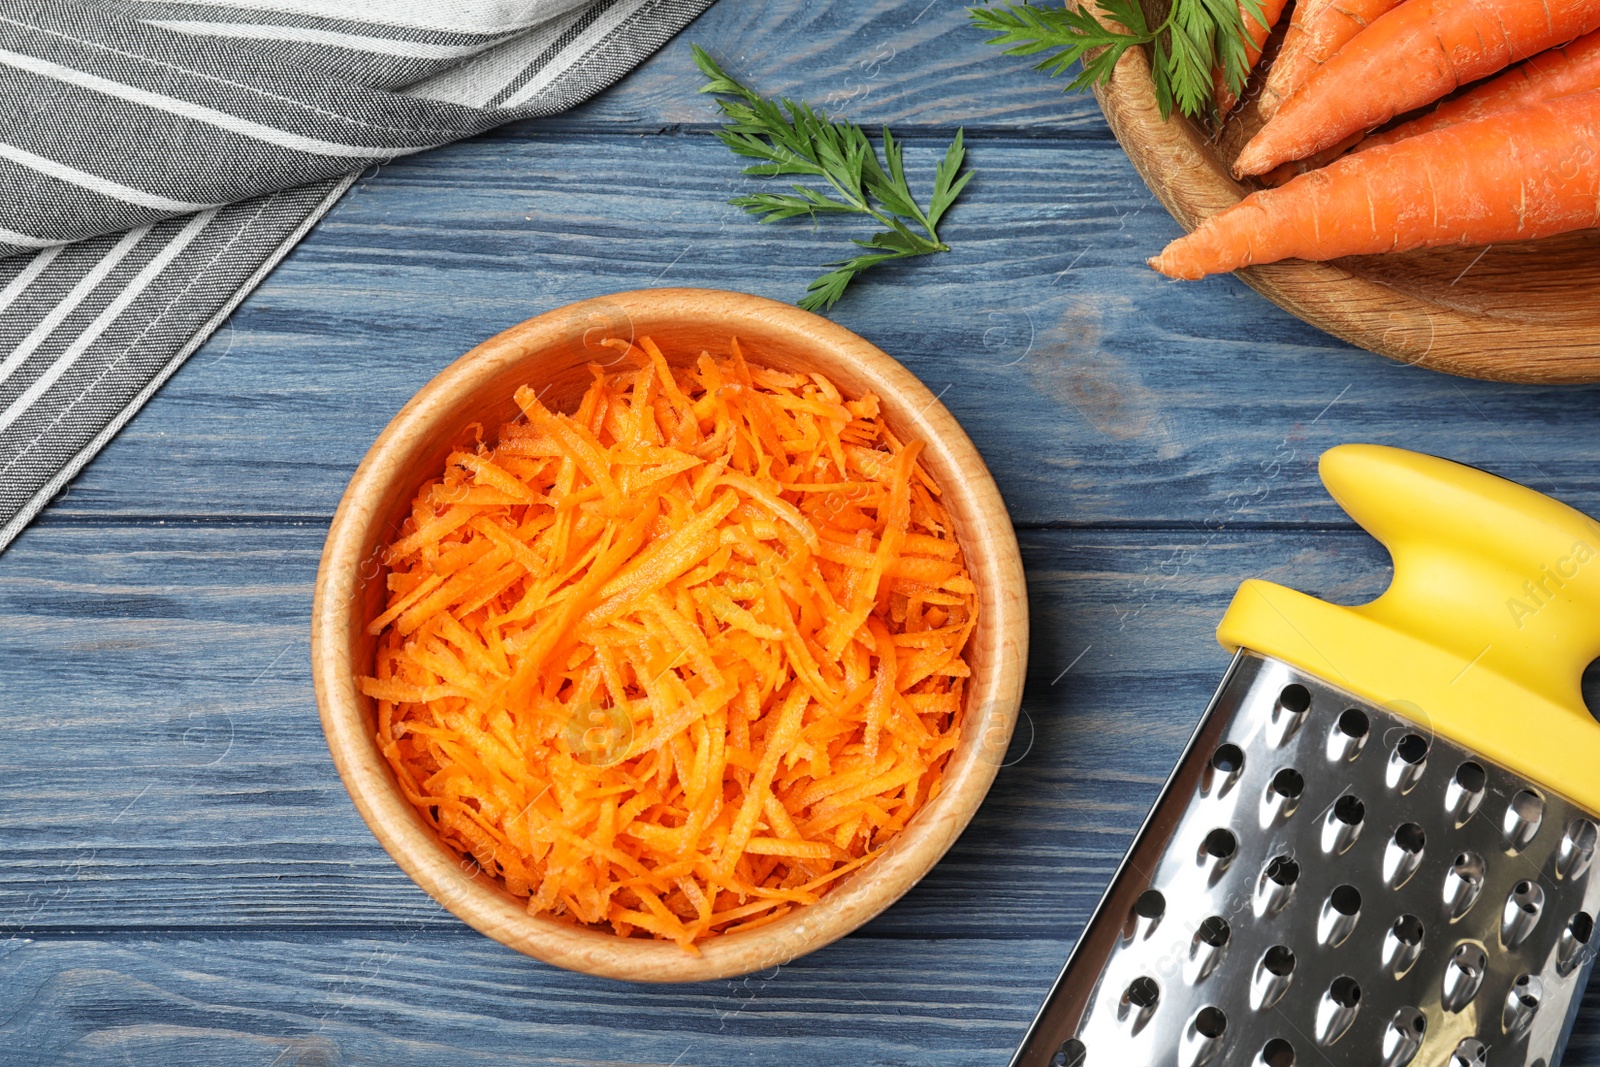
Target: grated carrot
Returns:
[[674, 664]]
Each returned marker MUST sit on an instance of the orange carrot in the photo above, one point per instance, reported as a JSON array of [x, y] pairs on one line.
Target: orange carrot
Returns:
[[1513, 176], [674, 664], [1317, 30], [1411, 56], [1283, 173], [1256, 34], [1558, 72], [1574, 68]]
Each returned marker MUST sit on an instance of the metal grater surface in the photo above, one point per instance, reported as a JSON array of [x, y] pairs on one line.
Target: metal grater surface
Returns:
[[1324, 882]]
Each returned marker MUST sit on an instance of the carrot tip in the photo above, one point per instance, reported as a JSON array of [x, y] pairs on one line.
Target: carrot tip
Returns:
[[1255, 158], [1167, 263]]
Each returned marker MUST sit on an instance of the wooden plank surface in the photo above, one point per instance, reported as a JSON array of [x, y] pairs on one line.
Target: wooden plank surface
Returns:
[[909, 62], [165, 766], [1097, 391], [426, 998], [184, 880]]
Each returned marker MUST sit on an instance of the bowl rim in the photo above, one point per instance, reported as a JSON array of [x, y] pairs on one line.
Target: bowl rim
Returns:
[[998, 652]]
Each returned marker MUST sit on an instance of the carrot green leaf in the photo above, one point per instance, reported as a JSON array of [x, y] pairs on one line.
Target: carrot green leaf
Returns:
[[790, 137], [1195, 38]]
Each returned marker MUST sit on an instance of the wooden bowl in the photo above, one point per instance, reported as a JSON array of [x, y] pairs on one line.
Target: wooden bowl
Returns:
[[1524, 312], [552, 351]]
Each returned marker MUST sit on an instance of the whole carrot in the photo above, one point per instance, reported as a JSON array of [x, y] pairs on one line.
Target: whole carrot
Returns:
[[1317, 30], [1409, 57], [1256, 34], [1516, 175], [1558, 72]]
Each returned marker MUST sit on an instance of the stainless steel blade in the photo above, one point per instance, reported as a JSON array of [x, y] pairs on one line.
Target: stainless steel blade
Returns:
[[1324, 881]]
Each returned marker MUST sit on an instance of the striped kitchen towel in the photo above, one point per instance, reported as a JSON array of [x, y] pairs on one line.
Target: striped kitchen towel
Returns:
[[158, 159]]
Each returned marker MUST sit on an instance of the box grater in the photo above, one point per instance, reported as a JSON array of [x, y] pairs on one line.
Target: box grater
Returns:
[[1378, 847]]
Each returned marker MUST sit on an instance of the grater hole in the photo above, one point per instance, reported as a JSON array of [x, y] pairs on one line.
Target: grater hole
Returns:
[[1345, 992], [1463, 884], [1342, 825], [1211, 1023], [1348, 736], [1143, 993], [1275, 886], [1229, 759], [1339, 915], [1402, 1039], [1273, 975], [1221, 844], [1288, 784], [1469, 868], [1576, 849], [1346, 900], [1464, 794], [1354, 723], [1277, 1053], [1523, 817], [1279, 960], [1403, 945], [1072, 1053], [1338, 1010], [1295, 698], [1403, 855], [1214, 931], [1407, 763], [1413, 748], [1591, 688], [1408, 930], [1349, 810], [1572, 948], [1463, 976], [1150, 905], [1521, 913]]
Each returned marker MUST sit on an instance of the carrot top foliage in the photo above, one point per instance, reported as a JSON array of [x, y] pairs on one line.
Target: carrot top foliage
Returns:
[[1196, 38], [792, 137]]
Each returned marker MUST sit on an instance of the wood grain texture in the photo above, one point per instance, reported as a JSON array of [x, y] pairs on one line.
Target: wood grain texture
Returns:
[[1521, 312], [183, 879], [1097, 391], [911, 63], [186, 882], [422, 998], [164, 765]]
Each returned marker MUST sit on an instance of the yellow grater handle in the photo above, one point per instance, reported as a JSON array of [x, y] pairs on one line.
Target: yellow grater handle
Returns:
[[1486, 629]]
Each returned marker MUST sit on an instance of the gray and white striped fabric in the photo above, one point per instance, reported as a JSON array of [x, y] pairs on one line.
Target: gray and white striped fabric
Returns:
[[158, 159]]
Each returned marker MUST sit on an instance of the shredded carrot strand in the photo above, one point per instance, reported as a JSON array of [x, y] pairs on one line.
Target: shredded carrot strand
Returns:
[[678, 662]]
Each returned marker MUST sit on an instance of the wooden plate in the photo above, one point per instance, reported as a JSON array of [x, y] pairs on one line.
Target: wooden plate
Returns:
[[1525, 312], [553, 353]]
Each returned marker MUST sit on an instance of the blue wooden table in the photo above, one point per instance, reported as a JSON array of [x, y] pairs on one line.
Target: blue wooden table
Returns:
[[183, 879]]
